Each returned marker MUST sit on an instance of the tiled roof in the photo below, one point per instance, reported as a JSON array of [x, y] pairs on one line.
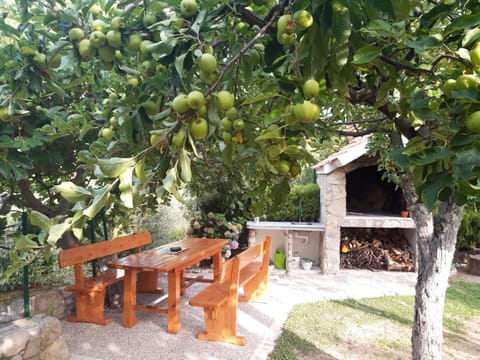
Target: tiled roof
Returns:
[[356, 148]]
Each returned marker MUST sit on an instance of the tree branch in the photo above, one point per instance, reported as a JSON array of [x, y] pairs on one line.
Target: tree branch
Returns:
[[249, 17], [31, 200], [456, 58], [368, 121], [247, 46], [398, 65], [360, 133]]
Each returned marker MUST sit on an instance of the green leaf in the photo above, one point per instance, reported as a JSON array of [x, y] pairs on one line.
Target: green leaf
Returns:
[[57, 89], [197, 24], [400, 159], [99, 201], [140, 171], [341, 34], [433, 155], [402, 9], [72, 192], [463, 22], [125, 187], [59, 45], [227, 155], [438, 12], [25, 242], [378, 25], [114, 166], [170, 181], [179, 60], [57, 231], [42, 221], [421, 44], [472, 94], [316, 40], [433, 186], [366, 54], [162, 48], [467, 188], [129, 70], [465, 162], [471, 36], [109, 4], [463, 53], [384, 6], [7, 29], [185, 167]]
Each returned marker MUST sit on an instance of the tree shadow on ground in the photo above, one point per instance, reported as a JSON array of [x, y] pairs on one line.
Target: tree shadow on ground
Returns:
[[290, 346], [357, 305]]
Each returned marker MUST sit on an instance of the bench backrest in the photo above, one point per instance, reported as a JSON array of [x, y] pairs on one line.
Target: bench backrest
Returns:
[[85, 253], [230, 278], [261, 249]]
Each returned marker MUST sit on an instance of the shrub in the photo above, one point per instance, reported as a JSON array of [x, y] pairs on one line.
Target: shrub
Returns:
[[166, 225], [213, 225], [468, 234], [303, 204]]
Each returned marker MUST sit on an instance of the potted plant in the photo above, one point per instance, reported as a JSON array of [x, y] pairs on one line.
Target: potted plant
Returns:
[[306, 263]]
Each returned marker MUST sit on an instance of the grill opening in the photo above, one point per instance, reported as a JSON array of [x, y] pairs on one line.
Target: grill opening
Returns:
[[368, 193]]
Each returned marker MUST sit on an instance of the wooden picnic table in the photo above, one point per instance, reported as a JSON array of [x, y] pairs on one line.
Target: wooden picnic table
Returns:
[[146, 265]]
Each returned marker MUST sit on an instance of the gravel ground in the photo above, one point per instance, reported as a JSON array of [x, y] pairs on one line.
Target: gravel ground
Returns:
[[261, 323]]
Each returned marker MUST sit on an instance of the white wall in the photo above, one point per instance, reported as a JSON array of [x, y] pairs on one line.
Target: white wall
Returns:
[[305, 247]]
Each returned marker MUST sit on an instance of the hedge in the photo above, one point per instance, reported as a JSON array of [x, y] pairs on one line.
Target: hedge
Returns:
[[303, 204], [469, 232]]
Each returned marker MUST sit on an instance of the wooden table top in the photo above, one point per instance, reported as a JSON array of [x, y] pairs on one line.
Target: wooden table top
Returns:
[[160, 259]]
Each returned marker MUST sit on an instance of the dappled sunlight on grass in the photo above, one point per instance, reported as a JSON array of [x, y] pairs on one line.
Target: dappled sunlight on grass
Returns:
[[376, 328]]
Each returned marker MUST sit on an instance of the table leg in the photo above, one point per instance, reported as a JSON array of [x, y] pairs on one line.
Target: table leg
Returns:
[[183, 284], [129, 298], [217, 265], [174, 288]]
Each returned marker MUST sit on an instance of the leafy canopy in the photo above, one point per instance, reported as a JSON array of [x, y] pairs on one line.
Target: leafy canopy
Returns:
[[107, 104]]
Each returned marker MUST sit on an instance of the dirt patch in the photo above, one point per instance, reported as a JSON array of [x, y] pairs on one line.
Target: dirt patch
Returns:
[[365, 344], [384, 339], [464, 347]]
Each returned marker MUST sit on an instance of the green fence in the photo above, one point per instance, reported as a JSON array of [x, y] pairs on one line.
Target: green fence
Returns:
[[6, 243], [41, 272], [20, 280]]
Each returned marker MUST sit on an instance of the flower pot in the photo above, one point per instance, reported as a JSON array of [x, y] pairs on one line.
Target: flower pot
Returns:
[[306, 264], [295, 262]]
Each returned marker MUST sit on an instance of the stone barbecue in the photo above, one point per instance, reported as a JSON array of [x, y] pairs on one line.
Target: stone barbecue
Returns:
[[355, 203], [354, 196]]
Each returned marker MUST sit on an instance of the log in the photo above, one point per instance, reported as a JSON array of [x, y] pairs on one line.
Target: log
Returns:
[[377, 249], [473, 265]]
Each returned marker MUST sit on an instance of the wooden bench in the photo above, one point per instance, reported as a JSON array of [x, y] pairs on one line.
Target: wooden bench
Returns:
[[90, 293], [254, 270], [249, 270]]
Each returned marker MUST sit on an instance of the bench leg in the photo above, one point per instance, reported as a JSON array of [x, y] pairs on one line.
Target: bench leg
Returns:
[[90, 307], [221, 325], [255, 289]]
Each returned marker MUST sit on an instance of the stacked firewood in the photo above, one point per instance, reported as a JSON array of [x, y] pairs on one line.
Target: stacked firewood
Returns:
[[377, 249]]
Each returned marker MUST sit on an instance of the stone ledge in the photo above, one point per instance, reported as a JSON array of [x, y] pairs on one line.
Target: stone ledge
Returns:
[[55, 302], [38, 337]]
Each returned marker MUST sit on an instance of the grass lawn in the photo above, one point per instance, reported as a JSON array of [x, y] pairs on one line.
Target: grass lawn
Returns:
[[378, 328]]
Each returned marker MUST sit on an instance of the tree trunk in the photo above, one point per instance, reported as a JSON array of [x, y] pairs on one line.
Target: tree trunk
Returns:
[[436, 238]]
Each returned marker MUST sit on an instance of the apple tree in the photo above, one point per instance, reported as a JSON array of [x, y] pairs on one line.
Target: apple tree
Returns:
[[417, 66], [115, 105]]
